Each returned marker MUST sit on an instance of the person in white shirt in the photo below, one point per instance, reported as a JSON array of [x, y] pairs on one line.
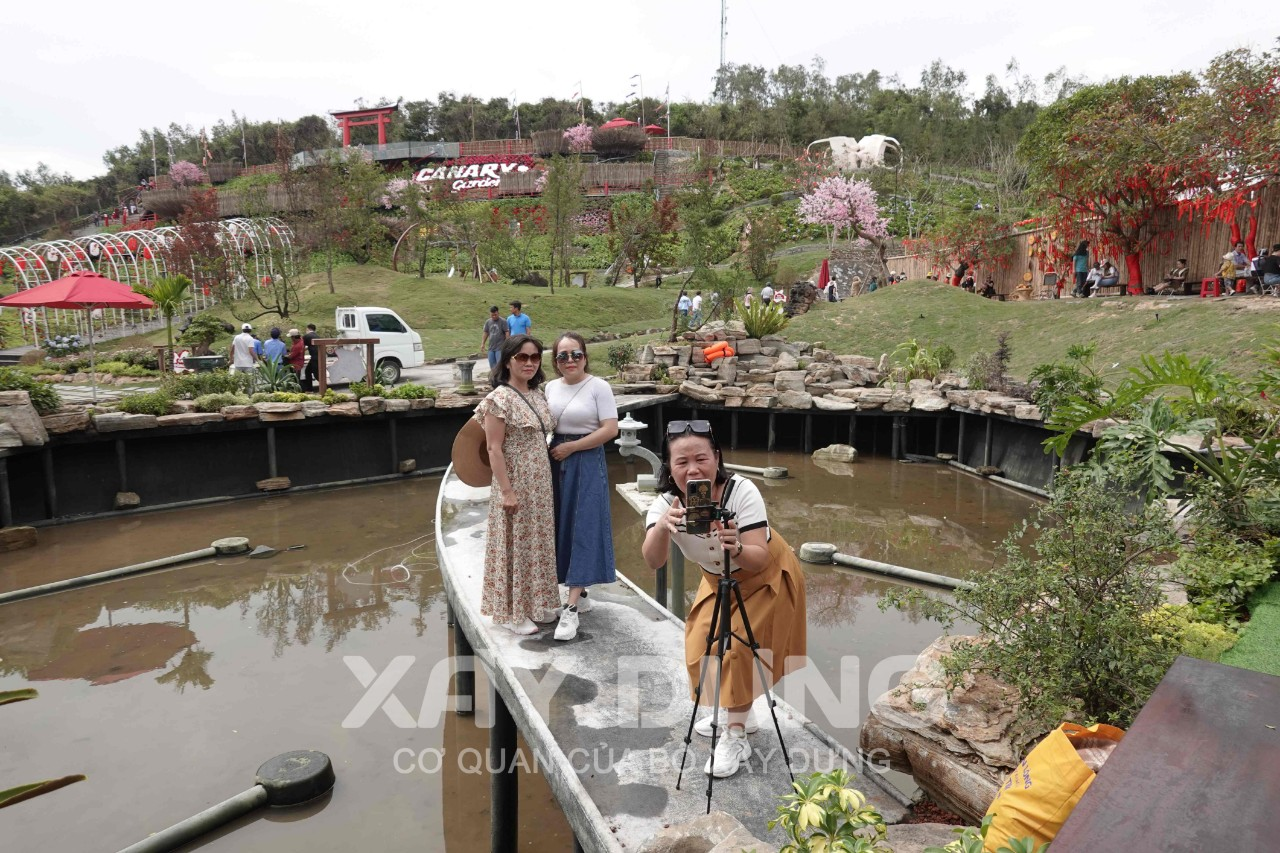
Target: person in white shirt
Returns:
[[766, 293], [244, 356], [746, 299], [586, 419], [695, 309]]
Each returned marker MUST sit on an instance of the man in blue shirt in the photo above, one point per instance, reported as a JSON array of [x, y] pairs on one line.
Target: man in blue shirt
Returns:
[[274, 349], [518, 323]]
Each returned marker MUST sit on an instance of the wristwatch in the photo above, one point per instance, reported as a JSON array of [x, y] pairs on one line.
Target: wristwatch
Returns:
[[738, 553]]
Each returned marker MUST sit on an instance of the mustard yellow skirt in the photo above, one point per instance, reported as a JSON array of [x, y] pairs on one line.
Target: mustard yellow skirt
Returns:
[[774, 599]]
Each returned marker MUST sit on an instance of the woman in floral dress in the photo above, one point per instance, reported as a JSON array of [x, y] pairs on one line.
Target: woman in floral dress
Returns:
[[520, 555]]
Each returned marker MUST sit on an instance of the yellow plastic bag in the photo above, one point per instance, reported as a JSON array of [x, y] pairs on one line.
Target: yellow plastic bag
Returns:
[[1038, 796]]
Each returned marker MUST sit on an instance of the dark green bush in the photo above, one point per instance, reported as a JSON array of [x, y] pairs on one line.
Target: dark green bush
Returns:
[[43, 396], [1222, 572], [620, 355], [411, 391], [215, 402], [362, 389], [189, 386], [146, 403]]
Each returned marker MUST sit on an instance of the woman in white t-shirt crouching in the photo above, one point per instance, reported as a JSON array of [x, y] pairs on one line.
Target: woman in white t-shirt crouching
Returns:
[[587, 418], [769, 578]]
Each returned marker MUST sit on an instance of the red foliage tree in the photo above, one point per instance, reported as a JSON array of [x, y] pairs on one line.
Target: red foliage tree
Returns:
[[1109, 158]]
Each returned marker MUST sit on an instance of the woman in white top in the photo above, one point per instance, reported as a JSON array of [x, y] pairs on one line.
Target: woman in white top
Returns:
[[587, 418], [769, 578]]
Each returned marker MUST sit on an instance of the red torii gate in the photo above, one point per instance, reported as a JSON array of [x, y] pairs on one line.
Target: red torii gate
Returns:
[[347, 119]]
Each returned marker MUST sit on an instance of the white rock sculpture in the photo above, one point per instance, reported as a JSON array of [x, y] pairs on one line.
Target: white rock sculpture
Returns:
[[850, 154]]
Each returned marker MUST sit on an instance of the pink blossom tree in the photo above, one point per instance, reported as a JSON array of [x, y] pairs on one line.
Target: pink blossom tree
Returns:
[[843, 205], [186, 174], [579, 138]]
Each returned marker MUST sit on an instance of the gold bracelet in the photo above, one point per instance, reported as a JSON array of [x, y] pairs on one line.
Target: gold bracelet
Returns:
[[738, 553]]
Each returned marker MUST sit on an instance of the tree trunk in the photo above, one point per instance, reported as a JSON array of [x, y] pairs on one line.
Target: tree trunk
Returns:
[[328, 270], [1251, 241], [1133, 263]]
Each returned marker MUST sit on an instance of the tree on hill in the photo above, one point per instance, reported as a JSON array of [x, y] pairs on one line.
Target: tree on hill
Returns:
[[1108, 159], [340, 190], [562, 197], [1230, 133]]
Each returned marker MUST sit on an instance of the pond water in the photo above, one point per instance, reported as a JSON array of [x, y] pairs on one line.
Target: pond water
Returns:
[[169, 689]]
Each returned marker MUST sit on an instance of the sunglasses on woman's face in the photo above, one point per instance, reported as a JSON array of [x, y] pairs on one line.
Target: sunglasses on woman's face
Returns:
[[698, 427], [528, 357], [576, 355]]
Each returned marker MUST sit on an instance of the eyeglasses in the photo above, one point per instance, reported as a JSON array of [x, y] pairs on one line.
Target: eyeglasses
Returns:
[[576, 355], [698, 427], [528, 357]]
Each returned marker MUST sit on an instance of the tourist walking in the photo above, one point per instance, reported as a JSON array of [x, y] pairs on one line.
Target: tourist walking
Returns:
[[518, 323], [746, 299], [244, 351], [495, 335], [766, 292], [520, 554], [770, 579], [586, 419], [683, 303], [312, 373], [695, 309], [1080, 265], [274, 349], [297, 352]]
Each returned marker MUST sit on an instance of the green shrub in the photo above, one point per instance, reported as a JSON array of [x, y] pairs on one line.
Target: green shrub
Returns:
[[1067, 624], [620, 355], [146, 403], [1192, 637], [945, 355], [138, 357], [43, 396], [275, 376], [411, 391], [362, 389], [189, 386], [660, 374], [215, 402], [115, 368], [332, 397], [1221, 573], [281, 397], [763, 318], [203, 331], [911, 360], [823, 811]]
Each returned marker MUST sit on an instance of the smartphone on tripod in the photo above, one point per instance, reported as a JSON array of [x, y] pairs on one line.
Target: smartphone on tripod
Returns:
[[699, 508]]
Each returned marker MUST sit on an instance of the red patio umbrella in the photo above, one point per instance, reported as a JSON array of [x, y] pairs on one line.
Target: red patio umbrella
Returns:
[[81, 291], [655, 130], [619, 122]]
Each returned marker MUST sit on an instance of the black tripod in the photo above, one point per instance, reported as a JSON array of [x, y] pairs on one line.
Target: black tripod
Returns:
[[720, 635]]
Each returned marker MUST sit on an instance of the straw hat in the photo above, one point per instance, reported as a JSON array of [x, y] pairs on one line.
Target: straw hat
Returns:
[[294, 333], [471, 455]]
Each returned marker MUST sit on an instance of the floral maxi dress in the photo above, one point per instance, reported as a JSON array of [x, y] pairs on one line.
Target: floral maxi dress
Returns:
[[520, 554]]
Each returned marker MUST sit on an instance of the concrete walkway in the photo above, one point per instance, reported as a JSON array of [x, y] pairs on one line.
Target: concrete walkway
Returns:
[[606, 713]]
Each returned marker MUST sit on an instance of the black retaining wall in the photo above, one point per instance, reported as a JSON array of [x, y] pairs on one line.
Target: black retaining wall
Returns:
[[79, 475]]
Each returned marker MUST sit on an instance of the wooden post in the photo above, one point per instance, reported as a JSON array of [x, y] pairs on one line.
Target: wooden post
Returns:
[[504, 800], [772, 432], [50, 487], [6, 502], [986, 450]]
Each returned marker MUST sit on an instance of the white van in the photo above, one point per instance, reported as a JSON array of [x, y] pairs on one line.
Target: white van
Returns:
[[398, 345]]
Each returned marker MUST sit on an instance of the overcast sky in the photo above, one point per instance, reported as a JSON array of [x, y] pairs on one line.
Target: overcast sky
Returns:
[[81, 77]]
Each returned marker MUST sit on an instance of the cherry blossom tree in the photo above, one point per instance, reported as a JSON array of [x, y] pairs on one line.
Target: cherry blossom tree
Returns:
[[186, 174], [579, 138], [845, 206]]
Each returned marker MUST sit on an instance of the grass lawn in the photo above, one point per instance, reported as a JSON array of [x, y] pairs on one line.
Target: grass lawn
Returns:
[[1235, 330], [449, 313], [1259, 646]]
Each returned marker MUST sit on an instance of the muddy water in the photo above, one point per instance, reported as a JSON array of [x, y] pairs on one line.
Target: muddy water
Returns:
[[168, 690]]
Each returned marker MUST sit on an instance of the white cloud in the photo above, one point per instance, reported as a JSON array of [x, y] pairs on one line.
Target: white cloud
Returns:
[[83, 77]]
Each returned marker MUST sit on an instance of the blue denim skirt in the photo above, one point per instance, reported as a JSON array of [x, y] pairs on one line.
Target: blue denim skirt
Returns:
[[584, 530]]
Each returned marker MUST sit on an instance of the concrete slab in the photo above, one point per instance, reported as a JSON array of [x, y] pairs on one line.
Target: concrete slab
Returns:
[[606, 713]]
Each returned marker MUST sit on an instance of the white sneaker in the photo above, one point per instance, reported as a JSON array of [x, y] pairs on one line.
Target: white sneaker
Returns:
[[546, 617], [584, 603], [568, 627], [731, 750], [703, 726], [524, 627]]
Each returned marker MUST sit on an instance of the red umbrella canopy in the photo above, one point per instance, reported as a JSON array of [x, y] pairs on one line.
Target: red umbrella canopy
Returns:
[[79, 290], [619, 122], [654, 129]]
